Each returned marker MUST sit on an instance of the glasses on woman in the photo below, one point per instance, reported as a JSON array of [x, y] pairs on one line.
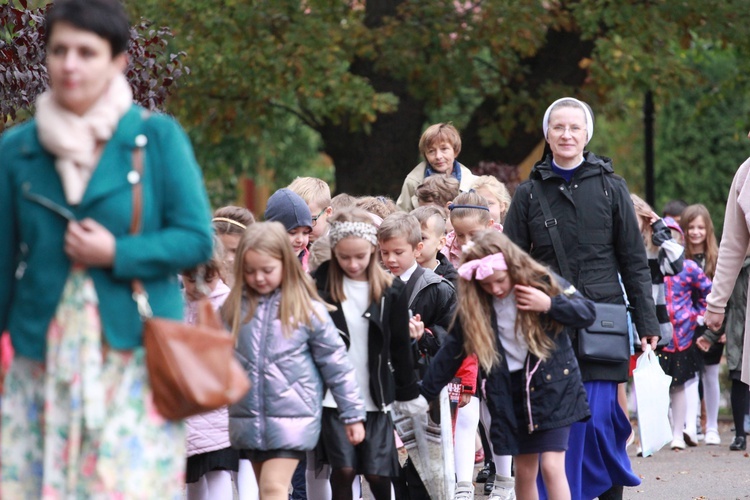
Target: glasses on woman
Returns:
[[316, 217], [573, 129]]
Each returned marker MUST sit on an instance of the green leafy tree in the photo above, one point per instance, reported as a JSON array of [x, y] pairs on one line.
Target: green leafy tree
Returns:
[[367, 76], [702, 134]]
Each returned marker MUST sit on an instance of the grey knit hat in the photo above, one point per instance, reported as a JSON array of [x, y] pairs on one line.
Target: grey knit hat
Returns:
[[287, 207]]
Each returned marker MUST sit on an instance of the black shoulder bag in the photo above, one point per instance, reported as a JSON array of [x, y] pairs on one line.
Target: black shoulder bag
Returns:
[[607, 340]]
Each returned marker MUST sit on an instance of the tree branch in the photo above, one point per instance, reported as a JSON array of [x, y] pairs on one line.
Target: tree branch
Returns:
[[306, 119]]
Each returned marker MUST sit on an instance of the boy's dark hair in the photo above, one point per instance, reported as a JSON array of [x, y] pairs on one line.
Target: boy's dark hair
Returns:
[[106, 18], [673, 208], [401, 225]]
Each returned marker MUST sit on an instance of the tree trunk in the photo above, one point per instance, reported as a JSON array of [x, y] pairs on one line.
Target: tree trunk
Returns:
[[556, 62], [377, 162]]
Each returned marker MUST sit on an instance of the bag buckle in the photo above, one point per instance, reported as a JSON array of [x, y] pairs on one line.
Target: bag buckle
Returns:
[[144, 308], [550, 223]]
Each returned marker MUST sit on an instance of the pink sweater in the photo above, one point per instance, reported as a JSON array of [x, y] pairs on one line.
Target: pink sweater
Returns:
[[735, 240], [208, 431]]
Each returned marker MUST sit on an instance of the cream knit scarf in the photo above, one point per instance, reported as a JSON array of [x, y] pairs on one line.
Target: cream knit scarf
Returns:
[[74, 139]]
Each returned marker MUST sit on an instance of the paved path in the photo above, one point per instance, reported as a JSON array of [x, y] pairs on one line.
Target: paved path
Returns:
[[703, 472]]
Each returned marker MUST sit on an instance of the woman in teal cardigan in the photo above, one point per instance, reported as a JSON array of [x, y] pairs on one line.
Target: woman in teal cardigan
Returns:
[[77, 415]]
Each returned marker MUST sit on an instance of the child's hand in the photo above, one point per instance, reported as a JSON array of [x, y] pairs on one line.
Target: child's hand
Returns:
[[416, 327], [703, 343], [465, 399], [355, 433], [529, 298]]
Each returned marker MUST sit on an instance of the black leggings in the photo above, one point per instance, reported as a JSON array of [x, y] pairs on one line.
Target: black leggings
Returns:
[[341, 485], [740, 399]]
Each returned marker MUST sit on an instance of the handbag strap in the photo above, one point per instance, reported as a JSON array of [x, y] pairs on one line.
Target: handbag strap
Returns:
[[136, 178], [551, 224]]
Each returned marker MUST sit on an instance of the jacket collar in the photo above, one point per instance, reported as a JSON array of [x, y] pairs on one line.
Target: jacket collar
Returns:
[[111, 173], [592, 165]]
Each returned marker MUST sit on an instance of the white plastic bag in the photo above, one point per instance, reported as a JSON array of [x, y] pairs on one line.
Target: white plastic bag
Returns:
[[652, 399]]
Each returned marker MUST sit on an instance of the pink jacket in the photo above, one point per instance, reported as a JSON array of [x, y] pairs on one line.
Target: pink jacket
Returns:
[[208, 431]]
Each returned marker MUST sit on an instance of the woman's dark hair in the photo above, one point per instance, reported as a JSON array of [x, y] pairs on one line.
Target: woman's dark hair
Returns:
[[106, 18]]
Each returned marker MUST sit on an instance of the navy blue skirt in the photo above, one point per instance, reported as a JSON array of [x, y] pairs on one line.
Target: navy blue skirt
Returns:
[[597, 458]]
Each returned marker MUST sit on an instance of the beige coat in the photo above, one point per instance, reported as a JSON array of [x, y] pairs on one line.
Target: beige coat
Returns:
[[407, 200], [732, 252]]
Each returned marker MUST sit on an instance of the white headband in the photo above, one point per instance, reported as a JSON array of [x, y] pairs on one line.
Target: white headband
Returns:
[[586, 112], [340, 230]]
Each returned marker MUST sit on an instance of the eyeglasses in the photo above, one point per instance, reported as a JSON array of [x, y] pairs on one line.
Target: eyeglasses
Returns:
[[316, 217], [573, 129]]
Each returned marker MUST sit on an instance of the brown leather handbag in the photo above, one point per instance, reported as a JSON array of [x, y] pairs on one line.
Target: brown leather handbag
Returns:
[[191, 368]]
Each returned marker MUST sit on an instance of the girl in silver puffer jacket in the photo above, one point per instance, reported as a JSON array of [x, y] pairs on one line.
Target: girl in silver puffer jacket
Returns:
[[291, 350]]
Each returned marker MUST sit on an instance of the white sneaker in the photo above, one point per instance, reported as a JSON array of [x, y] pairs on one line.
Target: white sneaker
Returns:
[[712, 437], [504, 489], [464, 491], [678, 444]]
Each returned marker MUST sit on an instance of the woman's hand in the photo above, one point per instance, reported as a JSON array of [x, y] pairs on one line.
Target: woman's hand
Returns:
[[713, 320], [416, 327], [355, 433], [529, 298], [89, 243]]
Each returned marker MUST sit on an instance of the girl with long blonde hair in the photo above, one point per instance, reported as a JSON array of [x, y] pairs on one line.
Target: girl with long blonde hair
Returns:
[[700, 238], [288, 344], [701, 247], [513, 314]]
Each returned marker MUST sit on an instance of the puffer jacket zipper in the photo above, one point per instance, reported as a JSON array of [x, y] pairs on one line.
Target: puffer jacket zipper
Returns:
[[264, 331], [528, 393]]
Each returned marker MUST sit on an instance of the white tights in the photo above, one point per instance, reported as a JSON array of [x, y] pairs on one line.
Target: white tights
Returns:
[[215, 484], [711, 395], [467, 421], [692, 400], [247, 484]]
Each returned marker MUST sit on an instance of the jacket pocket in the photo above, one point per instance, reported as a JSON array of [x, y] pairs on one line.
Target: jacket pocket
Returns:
[[609, 293]]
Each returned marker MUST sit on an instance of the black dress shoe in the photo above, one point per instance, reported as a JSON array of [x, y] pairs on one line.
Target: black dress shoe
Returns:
[[739, 444], [489, 485], [483, 474]]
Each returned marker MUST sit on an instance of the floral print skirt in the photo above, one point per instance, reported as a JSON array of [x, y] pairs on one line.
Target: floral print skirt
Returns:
[[83, 424]]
